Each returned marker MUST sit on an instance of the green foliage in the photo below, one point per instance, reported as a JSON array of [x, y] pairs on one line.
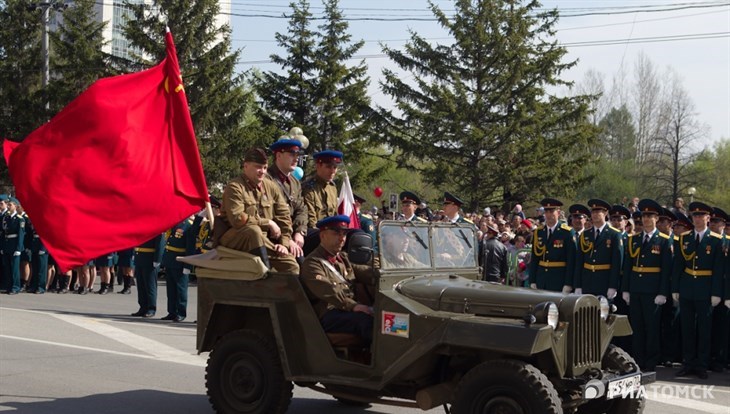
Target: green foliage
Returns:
[[618, 135], [713, 171], [478, 111], [221, 106]]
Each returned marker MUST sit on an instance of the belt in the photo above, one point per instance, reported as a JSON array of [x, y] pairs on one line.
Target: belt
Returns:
[[593, 268], [11, 236], [175, 249], [646, 269], [144, 249], [697, 272], [552, 264]]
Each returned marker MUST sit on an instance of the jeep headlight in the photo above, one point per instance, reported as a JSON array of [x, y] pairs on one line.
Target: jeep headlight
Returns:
[[547, 313], [553, 316], [605, 308]]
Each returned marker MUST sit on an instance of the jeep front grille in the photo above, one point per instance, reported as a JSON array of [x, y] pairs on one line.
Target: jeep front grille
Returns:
[[586, 336]]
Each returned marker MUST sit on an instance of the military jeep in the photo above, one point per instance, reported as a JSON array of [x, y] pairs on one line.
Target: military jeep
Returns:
[[442, 337]]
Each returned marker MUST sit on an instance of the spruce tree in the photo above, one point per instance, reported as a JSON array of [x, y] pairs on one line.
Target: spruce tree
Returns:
[[220, 105], [480, 109]]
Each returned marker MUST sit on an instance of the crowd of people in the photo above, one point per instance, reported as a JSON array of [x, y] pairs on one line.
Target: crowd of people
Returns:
[[665, 268]]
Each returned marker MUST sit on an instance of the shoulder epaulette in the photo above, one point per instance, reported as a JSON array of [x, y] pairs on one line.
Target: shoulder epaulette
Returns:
[[565, 227], [468, 221], [664, 236], [727, 236], [614, 228], [686, 233], [715, 235], [367, 216], [676, 238]]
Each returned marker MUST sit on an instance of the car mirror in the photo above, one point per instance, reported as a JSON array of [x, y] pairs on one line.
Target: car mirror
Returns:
[[360, 248]]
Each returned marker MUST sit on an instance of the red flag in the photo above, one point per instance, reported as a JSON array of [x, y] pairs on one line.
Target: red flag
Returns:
[[114, 168], [346, 203]]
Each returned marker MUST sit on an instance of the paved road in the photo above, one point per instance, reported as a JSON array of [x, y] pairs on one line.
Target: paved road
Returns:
[[71, 354]]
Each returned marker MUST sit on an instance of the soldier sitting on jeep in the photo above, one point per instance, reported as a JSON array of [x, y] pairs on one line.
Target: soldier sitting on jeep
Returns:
[[329, 279]]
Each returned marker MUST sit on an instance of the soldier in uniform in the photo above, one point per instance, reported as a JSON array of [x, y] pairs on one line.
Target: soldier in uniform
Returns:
[[408, 204], [286, 155], [148, 257], [125, 266], [452, 205], [257, 215], [645, 284], [180, 242], [720, 316], [666, 221], [201, 226], [599, 255], [397, 252], [619, 216], [578, 216], [320, 191], [329, 279], [697, 285], [553, 252], [39, 259], [638, 227], [13, 239], [3, 211], [367, 224]]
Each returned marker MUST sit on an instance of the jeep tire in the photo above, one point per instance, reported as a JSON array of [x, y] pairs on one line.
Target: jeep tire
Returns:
[[616, 360], [244, 375], [505, 386]]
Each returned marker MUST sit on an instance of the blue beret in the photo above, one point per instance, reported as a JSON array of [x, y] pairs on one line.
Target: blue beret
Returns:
[[285, 144], [329, 157], [334, 222]]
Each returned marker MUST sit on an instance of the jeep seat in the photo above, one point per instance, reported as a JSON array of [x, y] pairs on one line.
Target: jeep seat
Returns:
[[345, 340]]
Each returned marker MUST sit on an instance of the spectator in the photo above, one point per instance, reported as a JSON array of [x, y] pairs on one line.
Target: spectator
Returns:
[[493, 257]]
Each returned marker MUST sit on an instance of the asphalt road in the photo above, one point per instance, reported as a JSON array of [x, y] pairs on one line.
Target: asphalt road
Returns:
[[72, 354]]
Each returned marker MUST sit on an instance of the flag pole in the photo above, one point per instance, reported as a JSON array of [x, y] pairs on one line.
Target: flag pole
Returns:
[[209, 211]]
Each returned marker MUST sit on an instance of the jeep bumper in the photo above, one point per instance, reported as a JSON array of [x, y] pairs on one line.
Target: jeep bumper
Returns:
[[617, 386]]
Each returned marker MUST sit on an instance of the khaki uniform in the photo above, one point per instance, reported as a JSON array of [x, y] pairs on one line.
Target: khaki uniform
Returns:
[[320, 197], [248, 210], [330, 280], [292, 190]]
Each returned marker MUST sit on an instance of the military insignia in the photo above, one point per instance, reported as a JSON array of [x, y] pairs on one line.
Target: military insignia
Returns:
[[178, 233], [558, 244], [608, 243], [656, 249], [708, 249], [371, 228]]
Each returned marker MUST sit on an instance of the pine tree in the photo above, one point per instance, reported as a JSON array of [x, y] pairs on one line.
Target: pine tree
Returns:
[[78, 59], [479, 109], [221, 107]]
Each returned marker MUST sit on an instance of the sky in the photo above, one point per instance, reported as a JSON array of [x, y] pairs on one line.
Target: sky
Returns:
[[692, 37]]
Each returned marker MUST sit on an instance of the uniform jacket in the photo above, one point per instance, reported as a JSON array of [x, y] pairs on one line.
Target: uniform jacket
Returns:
[[553, 259], [648, 266], [13, 233], [245, 204], [179, 244], [329, 280], [150, 252], [320, 197], [598, 262], [698, 269], [292, 191]]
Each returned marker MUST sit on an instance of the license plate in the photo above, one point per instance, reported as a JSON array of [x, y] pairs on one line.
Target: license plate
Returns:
[[623, 386]]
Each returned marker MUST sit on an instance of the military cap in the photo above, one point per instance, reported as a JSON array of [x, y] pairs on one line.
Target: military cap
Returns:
[[257, 155], [493, 228], [667, 214], [718, 214], [328, 157], [359, 199], [699, 208], [648, 205], [3, 197], [636, 215], [13, 200], [408, 197], [214, 201], [598, 204], [452, 199], [550, 203], [683, 220], [338, 222], [579, 209], [286, 145], [620, 211]]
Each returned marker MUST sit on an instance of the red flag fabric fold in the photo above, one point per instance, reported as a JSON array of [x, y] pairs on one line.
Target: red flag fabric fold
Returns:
[[117, 166]]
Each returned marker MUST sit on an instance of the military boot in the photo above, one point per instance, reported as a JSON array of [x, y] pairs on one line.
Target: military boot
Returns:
[[127, 290], [104, 289]]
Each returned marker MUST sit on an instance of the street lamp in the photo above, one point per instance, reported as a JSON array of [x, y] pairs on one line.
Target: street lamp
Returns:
[[45, 7], [691, 191]]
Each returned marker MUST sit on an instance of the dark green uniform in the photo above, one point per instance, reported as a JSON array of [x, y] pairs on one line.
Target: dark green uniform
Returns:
[[598, 262], [180, 242], [552, 265], [147, 261], [13, 244], [697, 276], [368, 226], [647, 274], [39, 260]]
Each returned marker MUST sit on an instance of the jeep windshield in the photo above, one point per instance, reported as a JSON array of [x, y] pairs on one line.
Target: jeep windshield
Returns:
[[406, 245]]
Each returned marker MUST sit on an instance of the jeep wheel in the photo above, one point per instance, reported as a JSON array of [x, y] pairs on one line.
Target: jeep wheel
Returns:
[[617, 360], [244, 375], [508, 387]]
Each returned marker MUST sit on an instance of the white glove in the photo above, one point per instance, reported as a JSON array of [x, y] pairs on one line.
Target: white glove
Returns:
[[660, 300], [186, 271], [626, 296], [675, 297], [41, 252], [533, 285], [611, 293], [16, 253], [715, 300], [156, 264], [727, 303], [567, 289], [578, 291]]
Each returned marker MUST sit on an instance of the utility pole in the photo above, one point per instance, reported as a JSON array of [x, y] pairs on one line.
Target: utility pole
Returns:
[[45, 16]]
